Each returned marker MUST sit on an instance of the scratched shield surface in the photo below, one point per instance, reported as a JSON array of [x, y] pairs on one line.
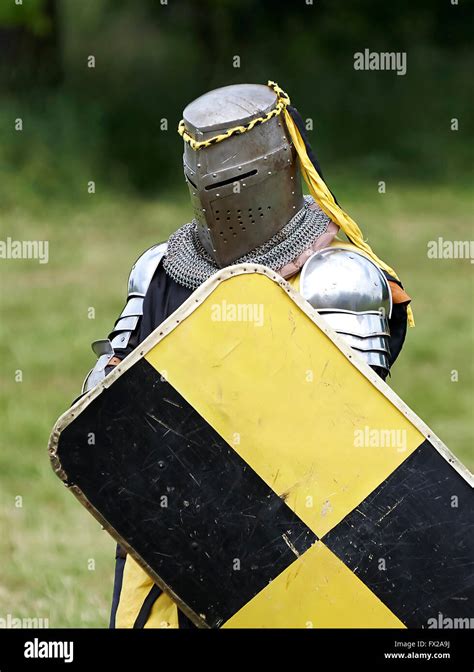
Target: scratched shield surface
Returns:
[[264, 476]]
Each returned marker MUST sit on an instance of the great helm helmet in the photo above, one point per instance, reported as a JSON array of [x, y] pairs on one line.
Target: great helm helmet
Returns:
[[247, 187]]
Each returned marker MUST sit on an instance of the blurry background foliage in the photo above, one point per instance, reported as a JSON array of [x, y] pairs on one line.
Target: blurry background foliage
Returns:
[[151, 59], [104, 124]]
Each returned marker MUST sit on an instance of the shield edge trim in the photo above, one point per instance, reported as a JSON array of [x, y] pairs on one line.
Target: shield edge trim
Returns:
[[166, 327]]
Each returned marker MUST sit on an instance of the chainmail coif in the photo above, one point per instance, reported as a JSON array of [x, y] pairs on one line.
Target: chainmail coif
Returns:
[[188, 263]]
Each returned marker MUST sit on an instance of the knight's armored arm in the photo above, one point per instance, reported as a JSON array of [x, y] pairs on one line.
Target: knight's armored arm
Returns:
[[124, 336], [353, 295]]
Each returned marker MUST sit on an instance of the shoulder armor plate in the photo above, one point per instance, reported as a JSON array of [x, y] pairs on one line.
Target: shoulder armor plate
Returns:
[[353, 295], [139, 280], [338, 278], [143, 270]]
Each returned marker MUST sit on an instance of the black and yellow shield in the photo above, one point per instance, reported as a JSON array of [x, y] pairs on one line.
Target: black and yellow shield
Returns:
[[264, 476]]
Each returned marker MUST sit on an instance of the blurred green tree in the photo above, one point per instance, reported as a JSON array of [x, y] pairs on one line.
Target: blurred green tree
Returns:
[[29, 44], [153, 58]]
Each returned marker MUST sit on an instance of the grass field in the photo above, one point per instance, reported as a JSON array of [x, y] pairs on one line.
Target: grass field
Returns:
[[57, 562]]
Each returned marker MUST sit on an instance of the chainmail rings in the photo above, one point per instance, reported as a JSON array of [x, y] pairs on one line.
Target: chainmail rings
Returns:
[[188, 263]]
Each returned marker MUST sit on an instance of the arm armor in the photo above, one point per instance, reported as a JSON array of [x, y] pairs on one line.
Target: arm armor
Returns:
[[139, 280], [353, 295]]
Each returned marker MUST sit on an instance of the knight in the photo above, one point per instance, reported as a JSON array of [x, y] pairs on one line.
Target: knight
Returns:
[[245, 153]]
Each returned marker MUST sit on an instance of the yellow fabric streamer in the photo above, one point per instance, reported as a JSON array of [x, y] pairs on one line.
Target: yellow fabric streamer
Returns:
[[323, 197]]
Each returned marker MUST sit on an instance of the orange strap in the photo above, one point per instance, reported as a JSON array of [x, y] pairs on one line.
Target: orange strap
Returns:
[[398, 294], [113, 361]]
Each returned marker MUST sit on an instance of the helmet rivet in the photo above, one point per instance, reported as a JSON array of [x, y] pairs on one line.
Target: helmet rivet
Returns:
[[198, 165], [293, 193], [217, 195], [240, 167], [269, 172], [214, 175], [204, 209], [291, 177], [264, 158]]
